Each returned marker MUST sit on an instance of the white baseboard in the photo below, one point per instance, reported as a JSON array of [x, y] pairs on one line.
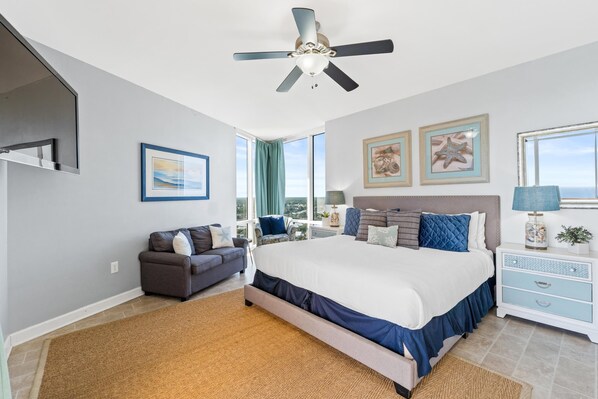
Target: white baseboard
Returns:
[[48, 326], [7, 346]]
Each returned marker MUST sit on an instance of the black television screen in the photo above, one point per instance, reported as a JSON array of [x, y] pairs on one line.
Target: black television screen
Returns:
[[38, 109]]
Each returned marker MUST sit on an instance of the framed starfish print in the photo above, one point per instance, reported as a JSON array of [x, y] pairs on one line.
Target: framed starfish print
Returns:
[[454, 152], [387, 160]]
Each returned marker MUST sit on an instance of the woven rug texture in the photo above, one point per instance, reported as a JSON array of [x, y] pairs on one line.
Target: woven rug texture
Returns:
[[219, 348]]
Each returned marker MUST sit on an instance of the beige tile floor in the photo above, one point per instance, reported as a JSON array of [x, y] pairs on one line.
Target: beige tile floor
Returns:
[[558, 364]]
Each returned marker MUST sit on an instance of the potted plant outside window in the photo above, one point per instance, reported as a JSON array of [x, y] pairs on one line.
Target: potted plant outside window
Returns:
[[578, 239]]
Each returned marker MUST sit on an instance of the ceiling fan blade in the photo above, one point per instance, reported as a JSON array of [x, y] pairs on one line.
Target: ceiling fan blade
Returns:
[[290, 80], [262, 55], [305, 18], [377, 47], [340, 77]]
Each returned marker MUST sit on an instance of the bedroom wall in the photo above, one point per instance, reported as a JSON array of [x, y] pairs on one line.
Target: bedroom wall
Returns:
[[65, 229], [558, 90], [3, 248]]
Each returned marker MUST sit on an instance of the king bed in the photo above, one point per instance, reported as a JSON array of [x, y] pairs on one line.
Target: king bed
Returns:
[[396, 310]]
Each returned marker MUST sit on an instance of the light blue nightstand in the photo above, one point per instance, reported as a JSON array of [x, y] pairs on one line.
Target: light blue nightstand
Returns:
[[550, 286]]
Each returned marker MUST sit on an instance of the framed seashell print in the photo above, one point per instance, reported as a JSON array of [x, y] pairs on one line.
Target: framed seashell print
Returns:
[[454, 152], [387, 160]]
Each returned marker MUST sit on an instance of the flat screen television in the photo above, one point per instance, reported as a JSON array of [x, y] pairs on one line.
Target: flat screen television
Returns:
[[38, 108]]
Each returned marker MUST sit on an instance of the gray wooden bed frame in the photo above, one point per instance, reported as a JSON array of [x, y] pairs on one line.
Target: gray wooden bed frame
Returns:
[[401, 370]]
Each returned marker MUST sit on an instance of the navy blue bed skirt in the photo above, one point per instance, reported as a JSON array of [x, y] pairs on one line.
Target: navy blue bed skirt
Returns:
[[423, 344]]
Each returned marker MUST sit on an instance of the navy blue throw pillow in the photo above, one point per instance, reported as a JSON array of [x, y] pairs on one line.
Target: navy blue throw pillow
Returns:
[[265, 225], [445, 232], [352, 217], [277, 225]]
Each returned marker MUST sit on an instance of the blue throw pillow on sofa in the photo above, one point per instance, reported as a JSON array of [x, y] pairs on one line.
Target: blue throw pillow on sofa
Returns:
[[277, 225], [445, 232], [265, 225]]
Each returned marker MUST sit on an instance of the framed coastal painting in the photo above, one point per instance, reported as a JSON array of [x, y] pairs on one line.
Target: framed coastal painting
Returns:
[[387, 160], [454, 152], [173, 175]]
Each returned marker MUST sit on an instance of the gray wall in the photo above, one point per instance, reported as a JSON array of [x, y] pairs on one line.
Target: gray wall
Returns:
[[3, 248], [65, 229], [554, 91]]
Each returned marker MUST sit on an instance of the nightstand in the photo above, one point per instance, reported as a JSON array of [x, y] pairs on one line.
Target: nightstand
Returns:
[[550, 286], [324, 231]]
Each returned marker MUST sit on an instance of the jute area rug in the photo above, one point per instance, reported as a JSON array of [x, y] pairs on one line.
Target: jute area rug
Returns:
[[218, 348]]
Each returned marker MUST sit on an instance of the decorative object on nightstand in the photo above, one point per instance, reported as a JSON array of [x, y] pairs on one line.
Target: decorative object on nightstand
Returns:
[[324, 231], [334, 198], [578, 239], [325, 218], [533, 199], [553, 287]]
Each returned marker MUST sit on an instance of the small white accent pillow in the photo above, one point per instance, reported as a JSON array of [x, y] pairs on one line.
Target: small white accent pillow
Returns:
[[482, 231], [181, 244], [221, 237], [386, 236]]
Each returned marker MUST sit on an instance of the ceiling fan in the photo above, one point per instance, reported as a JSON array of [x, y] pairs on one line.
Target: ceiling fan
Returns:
[[313, 53]]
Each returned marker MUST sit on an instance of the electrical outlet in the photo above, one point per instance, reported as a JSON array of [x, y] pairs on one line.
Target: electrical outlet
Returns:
[[114, 267]]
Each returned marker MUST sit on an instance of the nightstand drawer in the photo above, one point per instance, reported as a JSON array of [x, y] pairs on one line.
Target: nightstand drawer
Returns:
[[548, 304], [547, 265], [548, 285], [321, 233]]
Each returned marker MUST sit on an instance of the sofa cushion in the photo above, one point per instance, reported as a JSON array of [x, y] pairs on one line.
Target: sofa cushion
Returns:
[[227, 254], [274, 238], [202, 238], [161, 241], [277, 225], [203, 263]]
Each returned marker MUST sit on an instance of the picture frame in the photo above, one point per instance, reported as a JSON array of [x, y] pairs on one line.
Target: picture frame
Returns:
[[387, 160], [173, 175], [454, 152]]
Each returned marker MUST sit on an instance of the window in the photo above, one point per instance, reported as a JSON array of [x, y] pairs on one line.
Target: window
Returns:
[[305, 181], [566, 157], [319, 172], [245, 200]]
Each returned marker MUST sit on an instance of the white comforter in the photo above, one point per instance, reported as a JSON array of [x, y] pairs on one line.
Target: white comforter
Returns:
[[404, 286]]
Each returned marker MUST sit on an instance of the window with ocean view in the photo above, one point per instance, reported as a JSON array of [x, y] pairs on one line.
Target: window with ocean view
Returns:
[[566, 157]]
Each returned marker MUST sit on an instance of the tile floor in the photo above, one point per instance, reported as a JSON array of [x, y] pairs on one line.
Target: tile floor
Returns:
[[558, 364]]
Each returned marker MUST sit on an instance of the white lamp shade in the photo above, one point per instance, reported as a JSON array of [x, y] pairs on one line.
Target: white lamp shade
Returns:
[[312, 64]]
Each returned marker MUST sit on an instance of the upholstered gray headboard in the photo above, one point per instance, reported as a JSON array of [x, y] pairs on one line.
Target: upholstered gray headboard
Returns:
[[490, 204]]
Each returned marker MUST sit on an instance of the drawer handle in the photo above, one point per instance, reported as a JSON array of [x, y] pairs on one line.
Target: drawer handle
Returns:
[[573, 269], [515, 262], [542, 284], [544, 304]]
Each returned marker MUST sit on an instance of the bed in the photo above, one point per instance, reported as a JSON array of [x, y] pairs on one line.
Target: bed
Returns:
[[321, 285]]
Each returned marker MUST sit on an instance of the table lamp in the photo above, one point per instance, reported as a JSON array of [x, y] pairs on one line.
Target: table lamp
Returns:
[[334, 198], [536, 199]]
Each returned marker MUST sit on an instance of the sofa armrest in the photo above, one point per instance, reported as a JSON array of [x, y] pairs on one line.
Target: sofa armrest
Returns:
[[291, 231], [241, 242], [258, 234], [165, 258]]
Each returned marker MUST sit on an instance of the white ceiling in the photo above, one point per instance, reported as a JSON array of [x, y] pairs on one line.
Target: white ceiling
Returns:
[[182, 49]]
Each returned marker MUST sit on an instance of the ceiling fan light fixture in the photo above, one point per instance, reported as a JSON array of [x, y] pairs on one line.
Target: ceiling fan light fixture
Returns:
[[312, 64]]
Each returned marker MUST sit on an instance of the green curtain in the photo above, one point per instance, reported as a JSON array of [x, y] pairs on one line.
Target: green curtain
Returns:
[[269, 178], [4, 380]]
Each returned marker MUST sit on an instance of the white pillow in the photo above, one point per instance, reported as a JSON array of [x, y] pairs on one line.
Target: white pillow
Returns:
[[482, 231], [221, 237], [473, 233], [181, 244]]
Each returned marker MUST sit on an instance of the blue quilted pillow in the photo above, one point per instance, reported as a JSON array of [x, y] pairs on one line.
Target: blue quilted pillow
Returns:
[[445, 232], [352, 217]]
